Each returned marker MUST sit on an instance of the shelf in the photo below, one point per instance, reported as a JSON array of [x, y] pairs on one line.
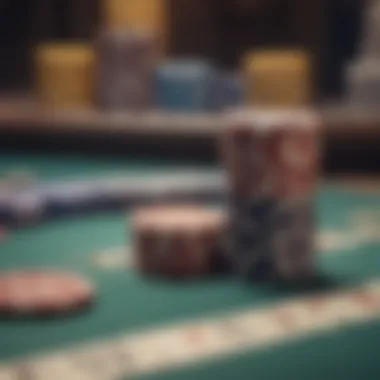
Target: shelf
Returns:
[[340, 122]]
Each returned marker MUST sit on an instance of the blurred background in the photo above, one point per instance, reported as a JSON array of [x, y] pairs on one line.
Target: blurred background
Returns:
[[222, 31], [109, 104], [200, 58]]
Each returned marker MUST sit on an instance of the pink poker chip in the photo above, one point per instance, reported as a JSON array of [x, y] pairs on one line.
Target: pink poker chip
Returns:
[[45, 292]]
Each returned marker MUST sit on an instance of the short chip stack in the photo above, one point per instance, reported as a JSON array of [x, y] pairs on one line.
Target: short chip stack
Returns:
[[177, 241], [272, 163], [184, 85], [126, 61]]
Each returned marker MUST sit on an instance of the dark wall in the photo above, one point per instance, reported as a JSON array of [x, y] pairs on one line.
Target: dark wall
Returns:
[[23, 23], [221, 30], [224, 30], [14, 42], [195, 28], [55, 19], [344, 19]]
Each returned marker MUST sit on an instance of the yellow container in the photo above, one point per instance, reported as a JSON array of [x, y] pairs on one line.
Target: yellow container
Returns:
[[138, 14], [64, 75], [278, 78]]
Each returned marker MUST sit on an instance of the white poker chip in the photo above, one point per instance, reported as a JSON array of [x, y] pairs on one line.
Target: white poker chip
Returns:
[[114, 258], [72, 192]]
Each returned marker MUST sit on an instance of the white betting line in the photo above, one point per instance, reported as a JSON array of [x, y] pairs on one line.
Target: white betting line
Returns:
[[204, 339]]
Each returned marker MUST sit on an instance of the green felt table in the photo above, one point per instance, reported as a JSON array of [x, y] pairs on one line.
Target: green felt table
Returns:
[[127, 302]]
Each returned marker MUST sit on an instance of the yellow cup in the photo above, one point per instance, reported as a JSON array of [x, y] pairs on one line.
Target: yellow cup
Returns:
[[64, 75], [138, 14], [278, 78]]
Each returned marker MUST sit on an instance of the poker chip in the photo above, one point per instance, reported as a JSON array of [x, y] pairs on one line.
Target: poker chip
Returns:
[[35, 292], [250, 236], [180, 241], [184, 85], [124, 76], [62, 198], [115, 258], [272, 152], [272, 161]]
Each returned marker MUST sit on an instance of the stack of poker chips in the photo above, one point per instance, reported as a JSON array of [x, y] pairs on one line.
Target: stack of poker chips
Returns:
[[363, 73], [279, 78], [177, 241], [64, 75], [125, 71], [271, 159], [184, 85]]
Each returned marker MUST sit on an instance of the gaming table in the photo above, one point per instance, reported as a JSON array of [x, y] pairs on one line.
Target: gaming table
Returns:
[[129, 304]]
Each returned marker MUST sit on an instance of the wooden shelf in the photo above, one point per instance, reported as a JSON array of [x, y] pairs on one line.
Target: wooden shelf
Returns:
[[340, 122], [351, 136]]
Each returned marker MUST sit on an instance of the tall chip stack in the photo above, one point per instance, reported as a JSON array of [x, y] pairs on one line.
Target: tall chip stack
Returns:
[[278, 78], [271, 159], [126, 61], [139, 14], [363, 73], [64, 75]]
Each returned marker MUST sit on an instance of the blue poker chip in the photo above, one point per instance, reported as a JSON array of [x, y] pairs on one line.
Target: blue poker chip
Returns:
[[64, 198], [184, 85], [71, 197]]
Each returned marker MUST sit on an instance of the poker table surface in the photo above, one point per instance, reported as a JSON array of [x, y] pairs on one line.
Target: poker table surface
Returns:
[[128, 303]]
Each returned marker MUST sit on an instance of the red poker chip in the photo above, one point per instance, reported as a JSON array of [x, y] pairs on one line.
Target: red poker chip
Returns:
[[29, 293]]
